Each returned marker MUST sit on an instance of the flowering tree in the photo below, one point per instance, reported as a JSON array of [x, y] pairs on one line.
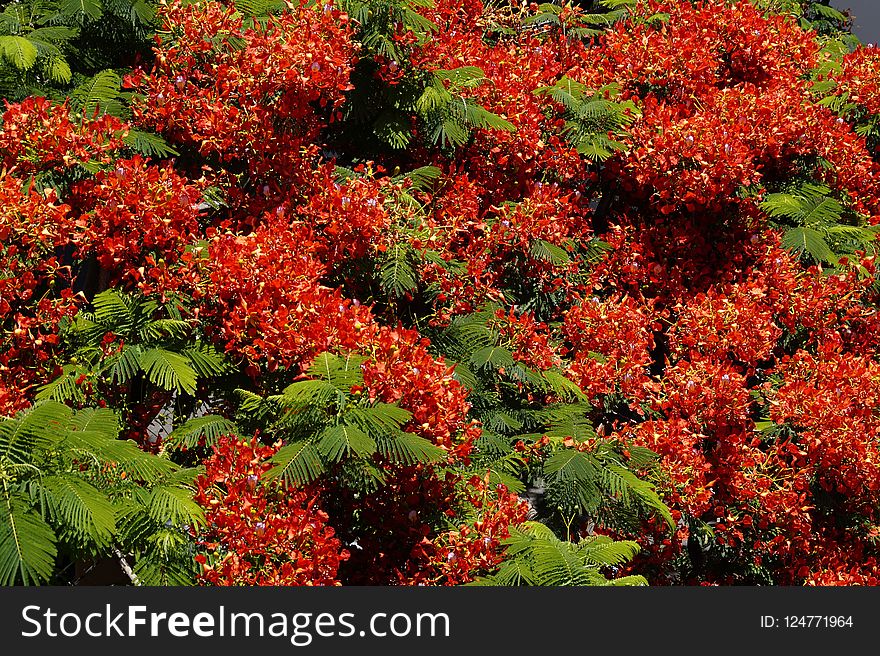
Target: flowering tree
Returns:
[[414, 292]]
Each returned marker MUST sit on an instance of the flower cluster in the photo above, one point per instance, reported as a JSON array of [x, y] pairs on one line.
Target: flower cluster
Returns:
[[39, 136], [258, 532], [136, 214], [34, 292], [253, 93]]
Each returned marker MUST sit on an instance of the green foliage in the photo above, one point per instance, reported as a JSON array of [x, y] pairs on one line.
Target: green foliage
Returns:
[[147, 341], [598, 483], [99, 93], [398, 271], [596, 121], [572, 258], [19, 51], [64, 493], [259, 8], [434, 105], [47, 46], [536, 557], [449, 117], [817, 225], [377, 22], [329, 427], [206, 429]]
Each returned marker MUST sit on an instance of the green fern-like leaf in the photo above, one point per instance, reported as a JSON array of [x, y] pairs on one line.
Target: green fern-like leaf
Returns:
[[164, 328], [125, 454], [602, 551], [18, 51], [343, 372], [113, 308], [577, 473], [394, 128], [544, 250], [494, 356], [624, 482], [422, 178], [409, 449], [82, 9], [207, 361], [169, 504], [37, 429], [317, 393], [27, 543], [465, 376], [100, 93], [563, 387], [479, 117], [169, 370], [153, 570], [596, 120], [81, 508], [397, 274], [296, 464], [536, 557], [816, 225], [807, 240], [207, 429], [64, 387], [341, 440], [59, 70], [125, 365], [379, 420], [147, 143], [101, 421], [559, 565], [449, 132], [828, 13], [809, 205], [258, 7]]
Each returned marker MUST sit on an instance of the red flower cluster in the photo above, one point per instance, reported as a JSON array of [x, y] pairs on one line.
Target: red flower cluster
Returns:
[[258, 532], [460, 555], [135, 214], [529, 340], [610, 345], [831, 400], [499, 245], [34, 293], [699, 48], [38, 135], [348, 219], [254, 94], [859, 78], [400, 370], [777, 490], [725, 103]]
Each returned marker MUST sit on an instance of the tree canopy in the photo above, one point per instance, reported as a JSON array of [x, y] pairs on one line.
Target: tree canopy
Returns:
[[406, 292]]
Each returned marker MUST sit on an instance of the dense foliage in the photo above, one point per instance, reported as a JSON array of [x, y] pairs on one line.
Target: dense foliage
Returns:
[[426, 292]]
